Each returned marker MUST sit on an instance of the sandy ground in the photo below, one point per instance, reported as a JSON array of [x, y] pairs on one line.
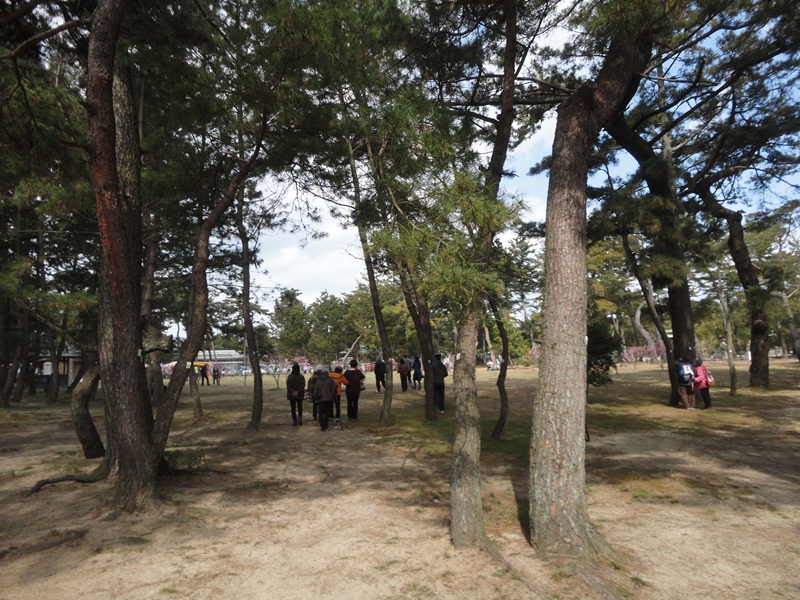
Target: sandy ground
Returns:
[[360, 512]]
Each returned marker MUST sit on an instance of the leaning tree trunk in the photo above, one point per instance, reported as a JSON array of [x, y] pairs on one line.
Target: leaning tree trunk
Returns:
[[757, 296], [726, 321], [660, 177], [377, 309], [417, 304], [647, 293], [82, 395], [386, 345], [24, 367], [558, 505], [497, 432], [467, 527], [649, 340], [792, 325], [199, 302], [247, 317]]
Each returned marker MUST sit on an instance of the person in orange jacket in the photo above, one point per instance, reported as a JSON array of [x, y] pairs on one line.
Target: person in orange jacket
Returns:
[[340, 380]]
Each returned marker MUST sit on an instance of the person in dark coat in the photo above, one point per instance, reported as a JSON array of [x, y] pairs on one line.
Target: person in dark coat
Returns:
[[439, 373], [325, 392], [416, 370], [295, 389], [353, 389], [204, 375], [380, 373]]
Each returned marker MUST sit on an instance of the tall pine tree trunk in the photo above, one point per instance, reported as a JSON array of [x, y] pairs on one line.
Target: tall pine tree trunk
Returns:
[[128, 415], [558, 504], [467, 527]]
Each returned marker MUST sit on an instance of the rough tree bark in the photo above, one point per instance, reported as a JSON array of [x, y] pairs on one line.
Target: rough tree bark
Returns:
[[467, 527], [128, 416], [497, 432], [82, 421], [558, 504]]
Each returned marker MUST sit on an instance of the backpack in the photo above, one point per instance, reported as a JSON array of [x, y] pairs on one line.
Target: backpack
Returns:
[[685, 374]]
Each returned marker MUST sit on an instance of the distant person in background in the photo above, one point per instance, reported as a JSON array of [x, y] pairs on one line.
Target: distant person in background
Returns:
[[204, 375], [416, 370], [325, 391], [295, 390], [380, 373], [701, 384], [439, 373], [215, 375], [402, 370], [353, 389]]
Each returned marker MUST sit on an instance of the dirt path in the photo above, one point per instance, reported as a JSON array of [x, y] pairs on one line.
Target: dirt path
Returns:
[[296, 513]]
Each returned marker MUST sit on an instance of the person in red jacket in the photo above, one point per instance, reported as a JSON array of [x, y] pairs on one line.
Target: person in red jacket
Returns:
[[402, 370], [701, 387]]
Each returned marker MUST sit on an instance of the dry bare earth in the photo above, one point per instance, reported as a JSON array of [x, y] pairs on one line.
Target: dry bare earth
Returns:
[[698, 503]]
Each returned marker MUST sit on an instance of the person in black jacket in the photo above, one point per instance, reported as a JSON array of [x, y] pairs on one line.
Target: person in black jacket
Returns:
[[353, 389], [380, 373], [416, 370], [439, 373], [295, 388]]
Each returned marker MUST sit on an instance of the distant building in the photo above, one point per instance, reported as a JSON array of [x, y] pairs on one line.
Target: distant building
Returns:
[[229, 361]]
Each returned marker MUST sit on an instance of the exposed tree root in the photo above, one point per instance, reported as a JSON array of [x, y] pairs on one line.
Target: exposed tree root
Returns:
[[101, 473], [51, 540], [495, 553], [596, 577]]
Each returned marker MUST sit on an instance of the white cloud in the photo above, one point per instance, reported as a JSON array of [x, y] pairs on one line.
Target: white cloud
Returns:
[[333, 263]]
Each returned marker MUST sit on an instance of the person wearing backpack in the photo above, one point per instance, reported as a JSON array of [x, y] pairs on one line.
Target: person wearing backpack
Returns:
[[702, 379], [684, 373]]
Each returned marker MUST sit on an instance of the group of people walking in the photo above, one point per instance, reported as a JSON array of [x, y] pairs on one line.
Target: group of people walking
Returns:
[[324, 391], [324, 388], [410, 371], [201, 373], [693, 382]]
